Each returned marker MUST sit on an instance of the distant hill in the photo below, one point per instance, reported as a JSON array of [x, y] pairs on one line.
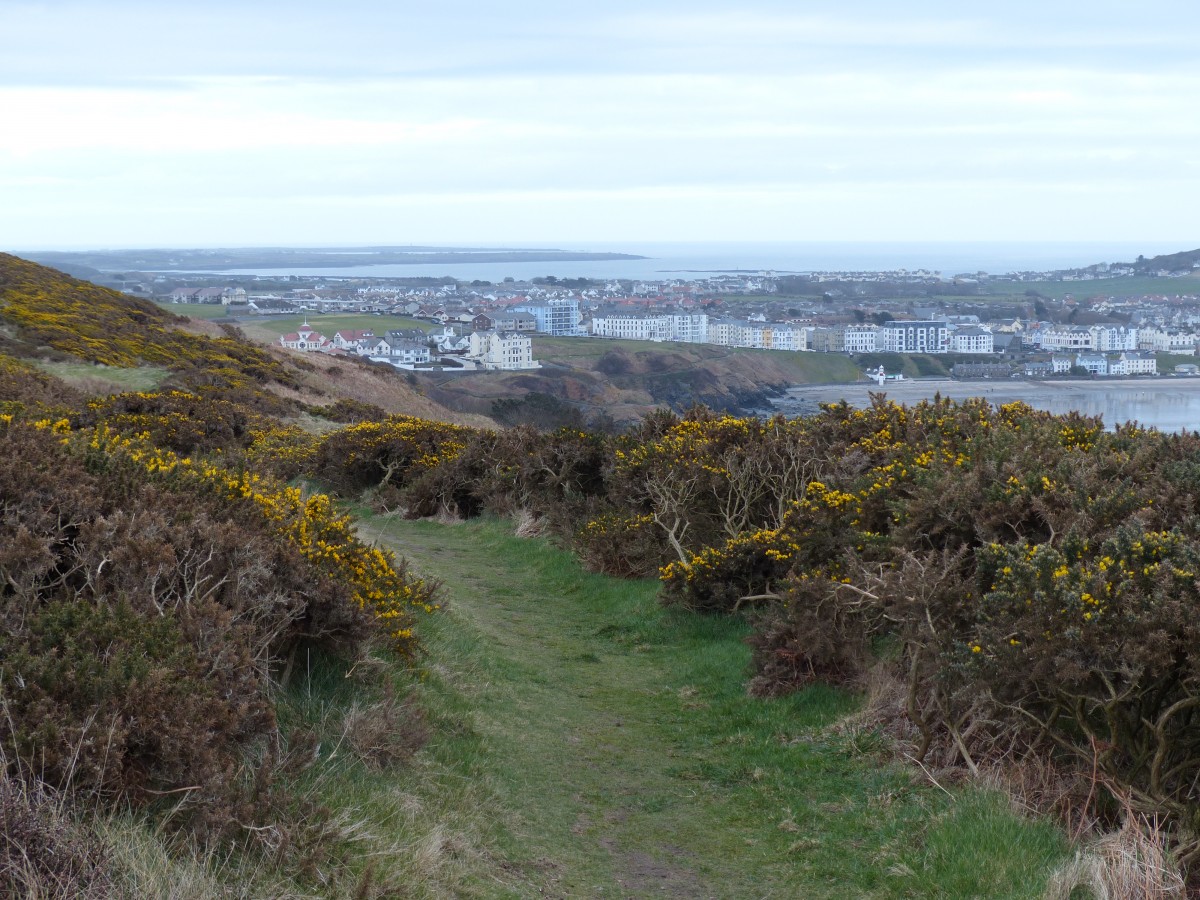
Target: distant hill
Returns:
[[279, 258], [57, 320], [1185, 260]]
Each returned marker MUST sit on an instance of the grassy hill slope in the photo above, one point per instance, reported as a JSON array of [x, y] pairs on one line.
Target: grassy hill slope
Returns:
[[216, 684], [105, 341], [612, 750]]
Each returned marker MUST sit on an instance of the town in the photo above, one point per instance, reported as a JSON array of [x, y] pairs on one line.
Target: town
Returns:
[[484, 326]]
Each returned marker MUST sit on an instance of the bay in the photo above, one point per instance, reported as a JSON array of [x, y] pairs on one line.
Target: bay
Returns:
[[1168, 404], [695, 260]]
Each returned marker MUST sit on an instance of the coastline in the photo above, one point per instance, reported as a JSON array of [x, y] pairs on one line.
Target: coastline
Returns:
[[1166, 402]]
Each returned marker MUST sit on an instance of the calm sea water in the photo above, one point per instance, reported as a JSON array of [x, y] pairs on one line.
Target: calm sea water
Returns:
[[670, 260], [1168, 404]]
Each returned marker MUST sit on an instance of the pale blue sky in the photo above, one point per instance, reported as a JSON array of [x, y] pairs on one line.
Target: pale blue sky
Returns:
[[129, 123]]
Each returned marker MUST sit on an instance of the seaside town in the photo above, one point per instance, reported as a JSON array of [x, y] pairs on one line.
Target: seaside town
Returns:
[[485, 326]]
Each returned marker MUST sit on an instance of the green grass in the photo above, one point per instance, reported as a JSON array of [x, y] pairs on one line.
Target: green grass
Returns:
[[587, 742], [195, 310], [327, 324], [570, 349], [96, 377], [814, 368], [806, 367], [1107, 287], [1168, 361]]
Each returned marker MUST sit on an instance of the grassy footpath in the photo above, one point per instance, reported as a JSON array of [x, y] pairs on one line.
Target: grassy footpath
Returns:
[[586, 742]]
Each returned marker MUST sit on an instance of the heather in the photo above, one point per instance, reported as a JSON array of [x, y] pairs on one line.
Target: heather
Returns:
[[158, 592], [1028, 582], [197, 633]]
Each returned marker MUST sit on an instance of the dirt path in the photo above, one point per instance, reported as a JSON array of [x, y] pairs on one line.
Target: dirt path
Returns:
[[625, 754]]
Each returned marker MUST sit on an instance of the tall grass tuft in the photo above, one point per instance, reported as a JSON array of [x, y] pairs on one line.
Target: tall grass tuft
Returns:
[[1132, 862]]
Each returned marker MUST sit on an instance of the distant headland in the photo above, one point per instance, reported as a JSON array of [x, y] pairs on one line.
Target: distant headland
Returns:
[[212, 260]]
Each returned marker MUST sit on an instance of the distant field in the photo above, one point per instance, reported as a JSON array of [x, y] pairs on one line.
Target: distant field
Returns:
[[1007, 292], [195, 310], [574, 348], [268, 327], [804, 368], [1114, 287]]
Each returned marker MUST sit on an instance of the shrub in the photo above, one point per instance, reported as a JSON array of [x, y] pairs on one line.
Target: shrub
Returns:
[[385, 454], [44, 853], [181, 421], [146, 600]]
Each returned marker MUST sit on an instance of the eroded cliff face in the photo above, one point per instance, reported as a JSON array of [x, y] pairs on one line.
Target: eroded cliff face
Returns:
[[625, 384]]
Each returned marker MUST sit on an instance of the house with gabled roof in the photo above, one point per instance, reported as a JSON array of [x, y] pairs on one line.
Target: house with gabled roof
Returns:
[[351, 339], [307, 339], [398, 352]]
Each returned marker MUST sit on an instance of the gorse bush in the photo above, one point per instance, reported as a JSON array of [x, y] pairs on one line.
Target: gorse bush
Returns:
[[1032, 577], [100, 325], [148, 602], [1031, 581], [384, 456], [352, 575], [182, 421], [23, 387]]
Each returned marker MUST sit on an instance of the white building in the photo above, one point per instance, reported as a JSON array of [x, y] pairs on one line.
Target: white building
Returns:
[[632, 328], [734, 333], [502, 350], [555, 316], [1065, 337], [689, 328], [1133, 362], [861, 338], [781, 336], [306, 338], [914, 337], [1167, 340], [399, 352], [971, 339], [1114, 338], [351, 339]]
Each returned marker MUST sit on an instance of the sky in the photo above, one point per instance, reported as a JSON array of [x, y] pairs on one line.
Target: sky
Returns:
[[126, 123]]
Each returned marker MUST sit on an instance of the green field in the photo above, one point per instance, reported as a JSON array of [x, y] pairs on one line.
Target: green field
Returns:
[[1106, 287], [195, 310], [1008, 292], [586, 742], [805, 368], [327, 324]]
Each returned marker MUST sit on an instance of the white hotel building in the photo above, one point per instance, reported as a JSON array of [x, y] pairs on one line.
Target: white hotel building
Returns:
[[914, 337]]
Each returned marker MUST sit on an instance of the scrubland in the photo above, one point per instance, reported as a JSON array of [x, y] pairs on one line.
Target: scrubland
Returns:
[[939, 650]]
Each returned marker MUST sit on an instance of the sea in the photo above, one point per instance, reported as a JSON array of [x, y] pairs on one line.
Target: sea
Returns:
[[1167, 403], [662, 260]]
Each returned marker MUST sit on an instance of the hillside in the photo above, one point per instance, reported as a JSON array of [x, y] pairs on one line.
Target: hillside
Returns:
[[61, 322], [625, 380], [616, 380], [753, 657], [1185, 260]]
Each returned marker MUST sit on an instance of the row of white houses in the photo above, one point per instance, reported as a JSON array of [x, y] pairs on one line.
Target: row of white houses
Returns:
[[901, 337], [482, 349], [1128, 362], [1113, 339], [898, 336]]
